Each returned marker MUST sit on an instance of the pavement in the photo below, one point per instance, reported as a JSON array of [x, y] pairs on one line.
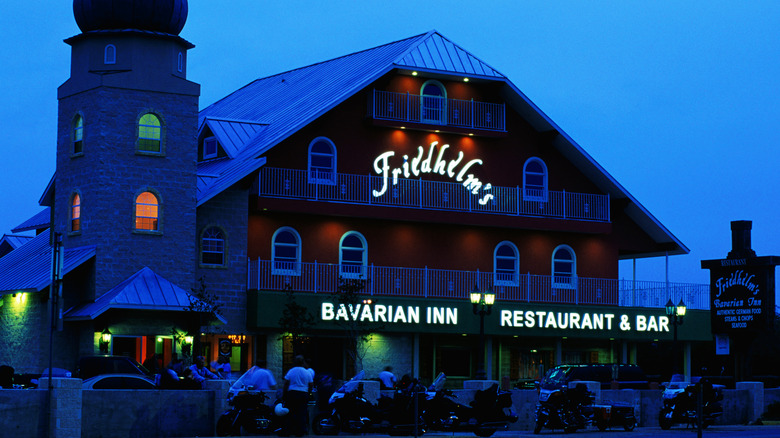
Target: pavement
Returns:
[[640, 432]]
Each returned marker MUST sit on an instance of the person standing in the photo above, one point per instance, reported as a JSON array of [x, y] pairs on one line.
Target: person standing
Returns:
[[387, 378], [298, 384]]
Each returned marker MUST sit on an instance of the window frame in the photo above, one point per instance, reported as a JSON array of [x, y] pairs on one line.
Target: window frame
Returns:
[[140, 139], [531, 194], [74, 213], [427, 99], [77, 135], [109, 54], [362, 274], [296, 269], [159, 205], [319, 177], [568, 281], [498, 279], [223, 253], [216, 147]]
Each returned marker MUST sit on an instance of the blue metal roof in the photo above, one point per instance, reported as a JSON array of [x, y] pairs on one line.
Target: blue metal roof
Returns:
[[144, 290], [28, 268], [15, 240], [288, 101], [40, 221]]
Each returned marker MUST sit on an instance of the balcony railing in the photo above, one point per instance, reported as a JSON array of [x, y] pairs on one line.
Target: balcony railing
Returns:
[[433, 110], [451, 284], [430, 195]]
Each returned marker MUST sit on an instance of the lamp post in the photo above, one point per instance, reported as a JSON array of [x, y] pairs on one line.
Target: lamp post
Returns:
[[482, 305], [676, 314], [105, 341]]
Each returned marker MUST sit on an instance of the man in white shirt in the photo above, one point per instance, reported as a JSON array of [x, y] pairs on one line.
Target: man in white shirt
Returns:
[[298, 383]]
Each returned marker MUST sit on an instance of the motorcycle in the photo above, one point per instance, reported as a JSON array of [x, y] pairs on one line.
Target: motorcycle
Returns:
[[351, 412], [679, 404], [490, 410], [607, 416], [562, 408], [249, 414]]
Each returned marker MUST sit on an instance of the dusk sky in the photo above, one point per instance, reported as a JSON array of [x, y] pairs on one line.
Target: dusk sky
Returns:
[[678, 101]]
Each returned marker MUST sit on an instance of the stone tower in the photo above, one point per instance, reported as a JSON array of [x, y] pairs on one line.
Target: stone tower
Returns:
[[126, 143]]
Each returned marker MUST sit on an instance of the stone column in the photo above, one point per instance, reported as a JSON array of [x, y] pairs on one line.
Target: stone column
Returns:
[[65, 409]]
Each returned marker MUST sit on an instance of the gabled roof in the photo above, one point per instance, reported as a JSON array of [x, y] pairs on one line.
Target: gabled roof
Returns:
[[288, 101], [28, 268], [144, 290], [40, 221], [15, 240]]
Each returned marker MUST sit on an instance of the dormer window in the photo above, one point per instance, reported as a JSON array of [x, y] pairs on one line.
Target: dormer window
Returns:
[[109, 54], [210, 148]]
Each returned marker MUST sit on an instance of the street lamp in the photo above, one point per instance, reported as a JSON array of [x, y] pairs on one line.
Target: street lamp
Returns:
[[105, 341], [483, 305], [676, 313]]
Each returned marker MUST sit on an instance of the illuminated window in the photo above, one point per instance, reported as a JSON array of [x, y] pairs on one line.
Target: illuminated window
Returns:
[[210, 148], [75, 213], [286, 252], [78, 134], [433, 103], [149, 133], [353, 255], [506, 264], [564, 267], [146, 212], [109, 54], [535, 180], [322, 161], [212, 249]]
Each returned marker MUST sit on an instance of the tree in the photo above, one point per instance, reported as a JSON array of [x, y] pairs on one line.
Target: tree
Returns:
[[296, 320], [357, 332], [205, 307]]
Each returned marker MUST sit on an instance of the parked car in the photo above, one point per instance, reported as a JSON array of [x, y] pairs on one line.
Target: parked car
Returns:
[[90, 366], [118, 381], [627, 376]]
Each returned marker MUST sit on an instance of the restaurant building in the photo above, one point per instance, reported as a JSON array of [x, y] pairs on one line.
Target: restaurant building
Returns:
[[414, 170]]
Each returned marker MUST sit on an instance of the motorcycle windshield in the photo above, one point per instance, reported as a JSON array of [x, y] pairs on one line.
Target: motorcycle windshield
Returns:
[[438, 383], [246, 381], [555, 378], [352, 383]]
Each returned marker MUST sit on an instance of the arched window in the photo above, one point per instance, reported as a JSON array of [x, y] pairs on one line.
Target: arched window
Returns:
[[322, 161], [212, 247], [149, 133], [535, 180], [109, 54], [564, 267], [75, 213], [180, 62], [147, 212], [506, 264], [78, 134], [353, 255], [286, 252], [433, 103]]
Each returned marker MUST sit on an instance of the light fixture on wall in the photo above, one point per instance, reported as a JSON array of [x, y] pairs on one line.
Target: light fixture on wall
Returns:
[[186, 344], [483, 305], [105, 341]]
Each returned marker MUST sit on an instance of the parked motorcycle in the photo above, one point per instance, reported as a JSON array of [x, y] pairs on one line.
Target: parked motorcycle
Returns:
[[249, 414], [563, 408], [351, 412], [490, 410], [679, 404], [617, 415]]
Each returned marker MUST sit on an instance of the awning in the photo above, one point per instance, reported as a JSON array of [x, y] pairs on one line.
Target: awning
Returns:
[[144, 290]]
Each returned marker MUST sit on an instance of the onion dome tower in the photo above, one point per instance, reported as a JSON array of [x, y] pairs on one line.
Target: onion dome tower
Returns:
[[126, 143]]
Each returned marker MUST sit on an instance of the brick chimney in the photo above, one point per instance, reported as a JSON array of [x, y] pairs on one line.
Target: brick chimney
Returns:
[[740, 240]]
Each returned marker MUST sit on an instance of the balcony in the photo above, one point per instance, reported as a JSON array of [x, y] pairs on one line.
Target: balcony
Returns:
[[431, 110], [430, 195], [450, 284]]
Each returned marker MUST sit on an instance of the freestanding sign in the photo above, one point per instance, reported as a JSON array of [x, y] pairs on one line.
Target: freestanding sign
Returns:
[[742, 287]]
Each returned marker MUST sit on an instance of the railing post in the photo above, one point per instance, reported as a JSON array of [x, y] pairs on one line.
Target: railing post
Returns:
[[519, 199], [420, 186], [370, 194], [528, 286], [473, 116], [316, 279], [564, 204], [425, 282], [408, 106], [372, 278]]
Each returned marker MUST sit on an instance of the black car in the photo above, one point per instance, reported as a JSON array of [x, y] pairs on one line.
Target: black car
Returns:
[[626, 375], [90, 366]]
